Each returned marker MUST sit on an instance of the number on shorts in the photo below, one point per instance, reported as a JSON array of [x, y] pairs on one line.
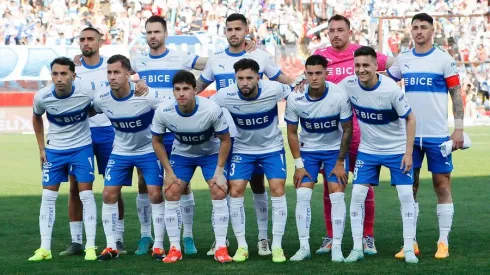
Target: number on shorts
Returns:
[[107, 174], [46, 175], [355, 173], [232, 169]]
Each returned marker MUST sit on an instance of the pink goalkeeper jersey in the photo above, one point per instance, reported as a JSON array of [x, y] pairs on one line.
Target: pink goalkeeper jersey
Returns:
[[340, 66]]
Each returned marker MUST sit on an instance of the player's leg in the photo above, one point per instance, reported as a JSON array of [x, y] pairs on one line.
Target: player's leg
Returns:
[[75, 213], [143, 207], [82, 163], [220, 213], [261, 206], [441, 168], [240, 172], [120, 226], [327, 217], [274, 165], [403, 183], [187, 209], [366, 172]]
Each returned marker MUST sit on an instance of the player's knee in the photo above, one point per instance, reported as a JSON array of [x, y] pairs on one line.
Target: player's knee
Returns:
[[217, 193], [186, 190], [405, 193], [173, 193], [109, 196], [303, 195], [236, 193], [359, 193], [277, 190]]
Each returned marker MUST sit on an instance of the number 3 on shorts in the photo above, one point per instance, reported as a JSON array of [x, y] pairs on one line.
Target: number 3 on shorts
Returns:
[[232, 169]]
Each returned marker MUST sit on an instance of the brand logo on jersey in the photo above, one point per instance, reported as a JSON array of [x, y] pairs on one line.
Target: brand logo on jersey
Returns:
[[231, 94], [354, 98], [69, 118], [401, 98], [194, 138], [407, 65], [168, 109], [236, 107], [359, 163], [143, 63], [453, 64], [172, 162], [111, 162], [341, 71], [55, 109], [47, 95], [255, 121], [173, 126], [377, 117], [321, 125], [221, 66], [133, 124], [236, 158], [300, 98], [47, 165], [219, 116], [109, 111], [104, 95], [351, 81], [306, 113]]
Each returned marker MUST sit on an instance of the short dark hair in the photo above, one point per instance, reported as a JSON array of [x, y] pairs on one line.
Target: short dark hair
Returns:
[[185, 77], [92, 29], [339, 17], [125, 63], [65, 61], [157, 19], [316, 60], [423, 17], [246, 63], [365, 50], [237, 17]]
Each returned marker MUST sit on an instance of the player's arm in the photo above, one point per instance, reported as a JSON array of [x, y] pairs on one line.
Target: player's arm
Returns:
[[221, 130], [393, 71], [407, 161], [157, 131], [339, 169], [200, 63], [458, 112], [202, 84], [284, 79], [38, 126], [390, 61]]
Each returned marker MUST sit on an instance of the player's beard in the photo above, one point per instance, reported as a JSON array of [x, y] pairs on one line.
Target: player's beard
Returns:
[[89, 53], [238, 42], [248, 91], [155, 46]]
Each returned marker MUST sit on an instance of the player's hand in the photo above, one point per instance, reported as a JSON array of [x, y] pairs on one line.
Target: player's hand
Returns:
[[407, 163], [299, 174], [141, 89], [339, 172], [458, 139], [76, 60], [250, 46], [221, 182], [42, 157], [299, 84], [170, 179]]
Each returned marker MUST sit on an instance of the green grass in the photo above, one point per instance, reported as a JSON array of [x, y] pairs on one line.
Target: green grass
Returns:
[[19, 231]]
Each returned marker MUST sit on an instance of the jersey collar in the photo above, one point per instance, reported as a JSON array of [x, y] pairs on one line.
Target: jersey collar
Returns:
[[159, 56], [373, 88], [190, 114], [423, 54], [101, 60], [131, 93], [227, 51], [318, 99]]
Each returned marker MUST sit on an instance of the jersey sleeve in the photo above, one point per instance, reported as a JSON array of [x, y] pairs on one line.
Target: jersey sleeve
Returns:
[[271, 70], [400, 104], [219, 98], [189, 60], [158, 126], [219, 124], [283, 90], [382, 59], [345, 108], [154, 98], [208, 75], [37, 105], [394, 71], [96, 105], [450, 71], [133, 63], [291, 116]]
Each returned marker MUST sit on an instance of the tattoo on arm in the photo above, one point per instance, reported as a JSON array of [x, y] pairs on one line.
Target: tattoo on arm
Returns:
[[346, 139], [458, 109], [201, 85]]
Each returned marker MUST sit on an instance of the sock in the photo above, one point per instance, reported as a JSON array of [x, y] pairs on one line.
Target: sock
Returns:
[[89, 216], [445, 214], [327, 207], [303, 215], [279, 217], [338, 217], [76, 231], [219, 219], [405, 194], [158, 216], [261, 205], [359, 193], [120, 231], [144, 214], [187, 209], [47, 215], [237, 216], [110, 214], [416, 219], [173, 222], [369, 209]]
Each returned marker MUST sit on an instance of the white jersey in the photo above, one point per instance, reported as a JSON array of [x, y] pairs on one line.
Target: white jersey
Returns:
[[67, 116], [158, 71], [95, 77], [194, 132], [319, 118], [219, 68], [427, 78], [378, 111], [131, 117], [256, 118]]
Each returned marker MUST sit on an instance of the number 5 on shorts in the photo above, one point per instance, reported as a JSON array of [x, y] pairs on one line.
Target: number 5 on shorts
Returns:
[[46, 175]]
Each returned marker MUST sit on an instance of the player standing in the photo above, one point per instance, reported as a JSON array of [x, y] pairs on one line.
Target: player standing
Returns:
[[202, 139], [429, 74], [385, 141], [219, 68], [253, 105], [325, 115], [69, 145], [340, 58], [131, 117]]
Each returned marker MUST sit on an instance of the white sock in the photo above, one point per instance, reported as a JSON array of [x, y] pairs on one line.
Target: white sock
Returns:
[[76, 231], [120, 231], [416, 219], [338, 217], [47, 215], [110, 214], [158, 215], [173, 222], [445, 214], [261, 206], [187, 209], [279, 217], [303, 215], [144, 214], [219, 219], [237, 216], [405, 194], [359, 193], [89, 216]]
